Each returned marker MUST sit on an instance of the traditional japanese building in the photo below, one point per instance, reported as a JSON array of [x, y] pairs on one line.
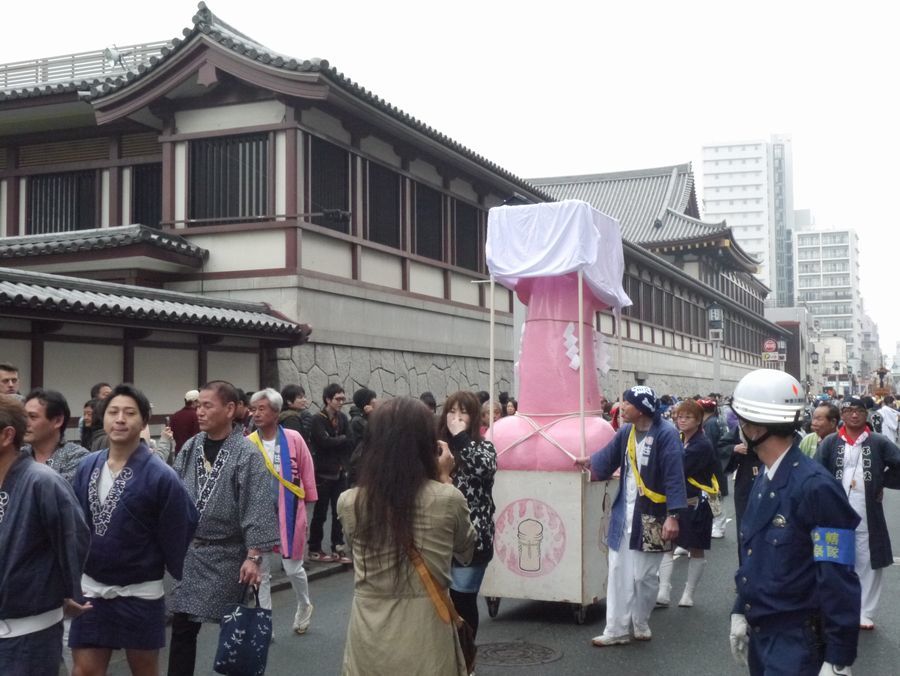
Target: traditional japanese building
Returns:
[[211, 171]]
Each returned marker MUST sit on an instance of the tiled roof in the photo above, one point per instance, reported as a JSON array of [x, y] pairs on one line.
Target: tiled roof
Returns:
[[654, 206], [638, 199], [95, 239], [208, 24], [70, 298]]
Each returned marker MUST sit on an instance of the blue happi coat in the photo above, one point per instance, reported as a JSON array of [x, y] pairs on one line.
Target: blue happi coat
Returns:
[[663, 473], [145, 525]]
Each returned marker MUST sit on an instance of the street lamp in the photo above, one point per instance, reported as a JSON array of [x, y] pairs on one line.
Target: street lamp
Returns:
[[850, 379], [715, 317], [814, 358]]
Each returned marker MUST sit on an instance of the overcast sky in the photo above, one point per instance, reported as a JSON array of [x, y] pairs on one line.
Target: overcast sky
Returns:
[[570, 87]]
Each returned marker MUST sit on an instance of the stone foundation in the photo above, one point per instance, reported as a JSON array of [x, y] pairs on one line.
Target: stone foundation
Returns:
[[391, 373]]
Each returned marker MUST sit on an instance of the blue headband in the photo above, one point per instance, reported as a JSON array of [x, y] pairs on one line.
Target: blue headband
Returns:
[[644, 398]]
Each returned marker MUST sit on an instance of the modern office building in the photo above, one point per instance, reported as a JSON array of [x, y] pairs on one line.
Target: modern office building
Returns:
[[749, 184], [827, 283]]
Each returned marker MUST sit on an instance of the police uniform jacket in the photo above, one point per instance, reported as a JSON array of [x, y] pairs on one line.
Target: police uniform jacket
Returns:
[[879, 455], [663, 472], [780, 582]]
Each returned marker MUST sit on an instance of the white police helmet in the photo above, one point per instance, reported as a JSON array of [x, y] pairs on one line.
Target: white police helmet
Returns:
[[769, 397]]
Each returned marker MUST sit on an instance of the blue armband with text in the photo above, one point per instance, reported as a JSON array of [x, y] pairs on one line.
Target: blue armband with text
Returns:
[[834, 545]]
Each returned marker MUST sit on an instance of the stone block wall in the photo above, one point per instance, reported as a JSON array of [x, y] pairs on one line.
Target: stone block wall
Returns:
[[391, 373]]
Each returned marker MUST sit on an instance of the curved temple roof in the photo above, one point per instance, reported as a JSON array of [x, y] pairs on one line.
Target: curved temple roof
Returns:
[[55, 297]]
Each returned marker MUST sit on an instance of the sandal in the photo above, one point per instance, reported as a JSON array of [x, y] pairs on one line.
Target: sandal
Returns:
[[321, 557]]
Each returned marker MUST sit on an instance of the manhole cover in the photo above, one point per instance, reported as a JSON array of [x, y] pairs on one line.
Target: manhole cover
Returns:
[[516, 654]]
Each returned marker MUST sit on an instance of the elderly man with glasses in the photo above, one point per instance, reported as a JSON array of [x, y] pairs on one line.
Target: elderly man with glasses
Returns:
[[864, 462]]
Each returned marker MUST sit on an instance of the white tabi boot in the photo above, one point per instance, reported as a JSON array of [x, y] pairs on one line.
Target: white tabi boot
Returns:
[[665, 580], [695, 572]]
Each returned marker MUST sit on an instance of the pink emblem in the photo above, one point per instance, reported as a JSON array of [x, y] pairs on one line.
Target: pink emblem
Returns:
[[530, 538]]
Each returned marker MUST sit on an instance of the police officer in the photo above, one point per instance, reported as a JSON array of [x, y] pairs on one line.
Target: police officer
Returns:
[[798, 597]]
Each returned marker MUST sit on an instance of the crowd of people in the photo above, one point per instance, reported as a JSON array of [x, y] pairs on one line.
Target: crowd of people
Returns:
[[237, 485]]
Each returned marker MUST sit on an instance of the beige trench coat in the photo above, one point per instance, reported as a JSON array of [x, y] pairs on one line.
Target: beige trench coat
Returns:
[[395, 631]]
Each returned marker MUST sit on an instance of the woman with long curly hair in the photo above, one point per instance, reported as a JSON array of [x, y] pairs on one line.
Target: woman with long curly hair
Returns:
[[404, 502], [476, 464]]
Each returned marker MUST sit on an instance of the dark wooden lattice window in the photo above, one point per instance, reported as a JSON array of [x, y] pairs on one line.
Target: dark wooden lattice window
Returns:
[[146, 194], [62, 202], [466, 239], [329, 183], [384, 206], [229, 178], [429, 223]]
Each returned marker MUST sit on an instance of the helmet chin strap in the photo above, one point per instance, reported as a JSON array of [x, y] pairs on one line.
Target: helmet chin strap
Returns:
[[752, 444]]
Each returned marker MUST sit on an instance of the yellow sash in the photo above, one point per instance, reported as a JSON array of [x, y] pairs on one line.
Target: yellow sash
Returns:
[[712, 490], [293, 488], [642, 487]]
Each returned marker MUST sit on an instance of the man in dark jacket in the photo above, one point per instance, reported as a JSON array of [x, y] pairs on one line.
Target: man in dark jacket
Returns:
[[295, 413], [364, 402], [331, 448]]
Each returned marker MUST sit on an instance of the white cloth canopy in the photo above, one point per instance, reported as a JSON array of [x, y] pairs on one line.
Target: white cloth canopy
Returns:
[[555, 238]]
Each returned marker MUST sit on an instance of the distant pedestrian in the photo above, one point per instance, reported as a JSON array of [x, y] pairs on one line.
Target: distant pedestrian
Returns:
[[295, 414], [183, 422]]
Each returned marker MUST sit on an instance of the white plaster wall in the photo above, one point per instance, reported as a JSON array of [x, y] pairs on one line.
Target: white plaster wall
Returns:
[[229, 117], [320, 121], [72, 368], [380, 150], [425, 171], [462, 290], [104, 198], [381, 268], [126, 196], [255, 250], [501, 298], [17, 353], [280, 174], [180, 184], [239, 368], [164, 375], [426, 280], [324, 254]]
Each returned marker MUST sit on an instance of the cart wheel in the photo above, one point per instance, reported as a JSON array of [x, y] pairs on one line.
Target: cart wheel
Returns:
[[580, 613], [493, 604]]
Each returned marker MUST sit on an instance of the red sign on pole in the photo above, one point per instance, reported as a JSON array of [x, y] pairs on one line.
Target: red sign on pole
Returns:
[[770, 345]]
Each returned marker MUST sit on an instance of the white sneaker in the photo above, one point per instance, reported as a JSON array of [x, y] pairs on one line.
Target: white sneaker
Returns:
[[718, 534], [603, 640], [687, 600], [302, 619], [663, 598], [679, 552], [642, 633]]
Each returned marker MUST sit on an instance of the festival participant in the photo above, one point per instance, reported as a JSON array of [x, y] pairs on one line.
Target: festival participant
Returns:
[[48, 415], [43, 543], [695, 526], [797, 594], [142, 520], [227, 479], [858, 458], [293, 487], [644, 519]]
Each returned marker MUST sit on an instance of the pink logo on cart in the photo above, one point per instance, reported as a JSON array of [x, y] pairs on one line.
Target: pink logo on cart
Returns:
[[530, 537]]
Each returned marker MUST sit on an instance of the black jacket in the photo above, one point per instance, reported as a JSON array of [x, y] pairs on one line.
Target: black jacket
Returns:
[[330, 444]]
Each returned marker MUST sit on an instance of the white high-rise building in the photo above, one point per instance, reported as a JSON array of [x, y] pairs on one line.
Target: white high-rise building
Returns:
[[750, 185], [827, 283]]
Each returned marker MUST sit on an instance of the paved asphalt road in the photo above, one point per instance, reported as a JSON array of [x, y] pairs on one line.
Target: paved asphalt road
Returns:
[[685, 641]]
